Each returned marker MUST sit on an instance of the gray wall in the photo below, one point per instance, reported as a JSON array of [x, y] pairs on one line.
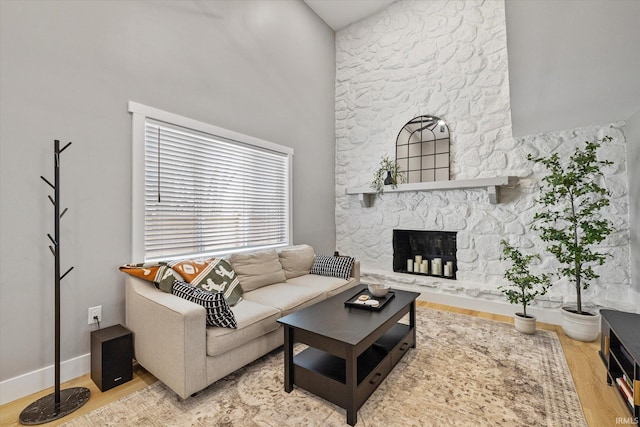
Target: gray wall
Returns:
[[67, 70], [572, 63], [632, 131]]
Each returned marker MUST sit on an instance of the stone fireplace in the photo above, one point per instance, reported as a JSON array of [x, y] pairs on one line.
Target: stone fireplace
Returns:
[[390, 69], [430, 253]]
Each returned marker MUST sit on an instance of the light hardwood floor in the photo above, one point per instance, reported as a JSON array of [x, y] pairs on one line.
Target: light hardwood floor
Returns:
[[601, 404]]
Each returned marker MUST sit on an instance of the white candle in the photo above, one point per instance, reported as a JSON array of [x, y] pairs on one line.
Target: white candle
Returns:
[[437, 266], [450, 265], [425, 262], [422, 268], [447, 270], [418, 259], [410, 265]]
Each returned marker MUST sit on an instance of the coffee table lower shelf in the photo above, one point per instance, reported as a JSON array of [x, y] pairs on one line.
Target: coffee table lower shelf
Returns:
[[323, 374]]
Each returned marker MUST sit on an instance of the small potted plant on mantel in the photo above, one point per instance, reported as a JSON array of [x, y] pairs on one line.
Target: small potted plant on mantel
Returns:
[[388, 173], [523, 285], [570, 221]]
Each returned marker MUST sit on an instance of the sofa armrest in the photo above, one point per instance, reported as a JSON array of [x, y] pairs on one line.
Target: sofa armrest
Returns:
[[169, 336], [355, 271]]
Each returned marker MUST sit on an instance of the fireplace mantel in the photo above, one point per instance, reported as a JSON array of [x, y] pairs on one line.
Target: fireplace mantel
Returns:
[[491, 185]]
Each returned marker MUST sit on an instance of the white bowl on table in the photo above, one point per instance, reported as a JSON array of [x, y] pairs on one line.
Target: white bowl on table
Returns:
[[378, 290]]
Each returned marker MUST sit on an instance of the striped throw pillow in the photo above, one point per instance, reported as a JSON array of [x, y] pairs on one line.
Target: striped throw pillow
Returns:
[[334, 266], [218, 311]]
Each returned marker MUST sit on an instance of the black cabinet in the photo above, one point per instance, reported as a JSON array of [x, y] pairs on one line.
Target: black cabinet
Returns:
[[620, 351], [111, 356]]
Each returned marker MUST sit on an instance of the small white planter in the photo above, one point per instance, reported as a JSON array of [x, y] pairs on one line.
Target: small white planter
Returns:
[[525, 325], [581, 327]]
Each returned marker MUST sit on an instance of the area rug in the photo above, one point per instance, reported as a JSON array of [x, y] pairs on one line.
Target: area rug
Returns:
[[465, 371]]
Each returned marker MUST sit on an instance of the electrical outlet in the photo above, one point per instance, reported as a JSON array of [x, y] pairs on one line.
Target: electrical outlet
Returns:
[[93, 312]]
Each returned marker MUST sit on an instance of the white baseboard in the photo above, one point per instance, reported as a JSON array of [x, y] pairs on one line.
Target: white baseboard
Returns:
[[494, 307], [41, 379], [32, 382]]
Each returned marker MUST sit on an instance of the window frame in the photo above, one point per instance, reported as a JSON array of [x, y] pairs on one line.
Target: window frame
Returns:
[[140, 114]]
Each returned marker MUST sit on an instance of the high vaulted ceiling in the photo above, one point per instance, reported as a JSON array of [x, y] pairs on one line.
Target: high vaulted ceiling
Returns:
[[338, 14], [571, 63]]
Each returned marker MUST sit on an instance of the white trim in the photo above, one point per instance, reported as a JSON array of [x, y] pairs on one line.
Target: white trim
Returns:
[[545, 315], [491, 185], [454, 184], [429, 290], [176, 119], [290, 201], [137, 187], [140, 113], [32, 382], [226, 253]]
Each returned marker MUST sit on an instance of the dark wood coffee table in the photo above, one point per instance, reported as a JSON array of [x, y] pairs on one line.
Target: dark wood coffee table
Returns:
[[351, 350]]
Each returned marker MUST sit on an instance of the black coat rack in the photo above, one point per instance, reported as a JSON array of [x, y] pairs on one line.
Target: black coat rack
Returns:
[[60, 402]]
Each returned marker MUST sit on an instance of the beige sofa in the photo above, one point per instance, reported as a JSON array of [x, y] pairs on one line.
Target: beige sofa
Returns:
[[173, 342]]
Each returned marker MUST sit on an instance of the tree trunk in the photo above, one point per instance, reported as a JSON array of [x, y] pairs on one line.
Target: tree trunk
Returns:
[[579, 299], [577, 261]]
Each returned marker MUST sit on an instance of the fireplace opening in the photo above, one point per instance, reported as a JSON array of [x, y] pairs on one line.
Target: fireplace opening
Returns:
[[427, 253]]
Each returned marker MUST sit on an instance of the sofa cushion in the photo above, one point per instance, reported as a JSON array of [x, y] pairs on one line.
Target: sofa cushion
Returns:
[[286, 298], [218, 311], [329, 285], [335, 266], [253, 319], [213, 275], [257, 269], [296, 261]]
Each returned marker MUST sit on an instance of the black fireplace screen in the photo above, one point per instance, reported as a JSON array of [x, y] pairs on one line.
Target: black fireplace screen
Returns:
[[429, 253]]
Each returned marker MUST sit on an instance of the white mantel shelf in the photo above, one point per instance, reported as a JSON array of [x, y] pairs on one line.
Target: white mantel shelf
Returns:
[[492, 186]]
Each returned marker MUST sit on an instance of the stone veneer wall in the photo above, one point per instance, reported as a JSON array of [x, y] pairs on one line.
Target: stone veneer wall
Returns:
[[449, 58]]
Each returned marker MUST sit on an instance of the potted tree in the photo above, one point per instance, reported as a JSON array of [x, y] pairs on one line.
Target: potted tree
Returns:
[[388, 173], [569, 220], [523, 285]]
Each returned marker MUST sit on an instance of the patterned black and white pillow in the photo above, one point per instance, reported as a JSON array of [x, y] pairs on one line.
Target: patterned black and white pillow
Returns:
[[334, 266], [218, 311]]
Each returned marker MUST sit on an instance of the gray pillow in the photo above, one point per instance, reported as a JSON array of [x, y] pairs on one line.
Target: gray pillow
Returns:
[[296, 261], [257, 269]]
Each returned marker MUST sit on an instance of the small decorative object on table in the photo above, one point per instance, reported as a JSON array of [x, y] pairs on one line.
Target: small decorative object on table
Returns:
[[365, 299], [378, 290]]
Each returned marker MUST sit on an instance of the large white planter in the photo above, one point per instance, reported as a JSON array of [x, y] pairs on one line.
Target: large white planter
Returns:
[[581, 327], [525, 325]]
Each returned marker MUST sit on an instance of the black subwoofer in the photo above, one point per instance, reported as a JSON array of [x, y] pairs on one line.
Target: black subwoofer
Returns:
[[111, 356]]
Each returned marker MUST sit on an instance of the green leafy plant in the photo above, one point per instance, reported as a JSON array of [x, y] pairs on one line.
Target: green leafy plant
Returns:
[[524, 286], [387, 169], [571, 200]]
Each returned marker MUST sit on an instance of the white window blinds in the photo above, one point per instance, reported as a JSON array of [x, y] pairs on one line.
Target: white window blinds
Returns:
[[206, 194]]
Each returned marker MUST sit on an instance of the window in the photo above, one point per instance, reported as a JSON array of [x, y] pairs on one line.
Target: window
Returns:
[[200, 190], [422, 149]]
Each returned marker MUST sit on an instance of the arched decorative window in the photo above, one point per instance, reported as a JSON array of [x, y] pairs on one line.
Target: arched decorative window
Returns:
[[423, 149]]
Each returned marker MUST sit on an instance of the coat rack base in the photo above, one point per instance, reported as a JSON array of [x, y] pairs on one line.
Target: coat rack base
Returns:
[[44, 409]]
